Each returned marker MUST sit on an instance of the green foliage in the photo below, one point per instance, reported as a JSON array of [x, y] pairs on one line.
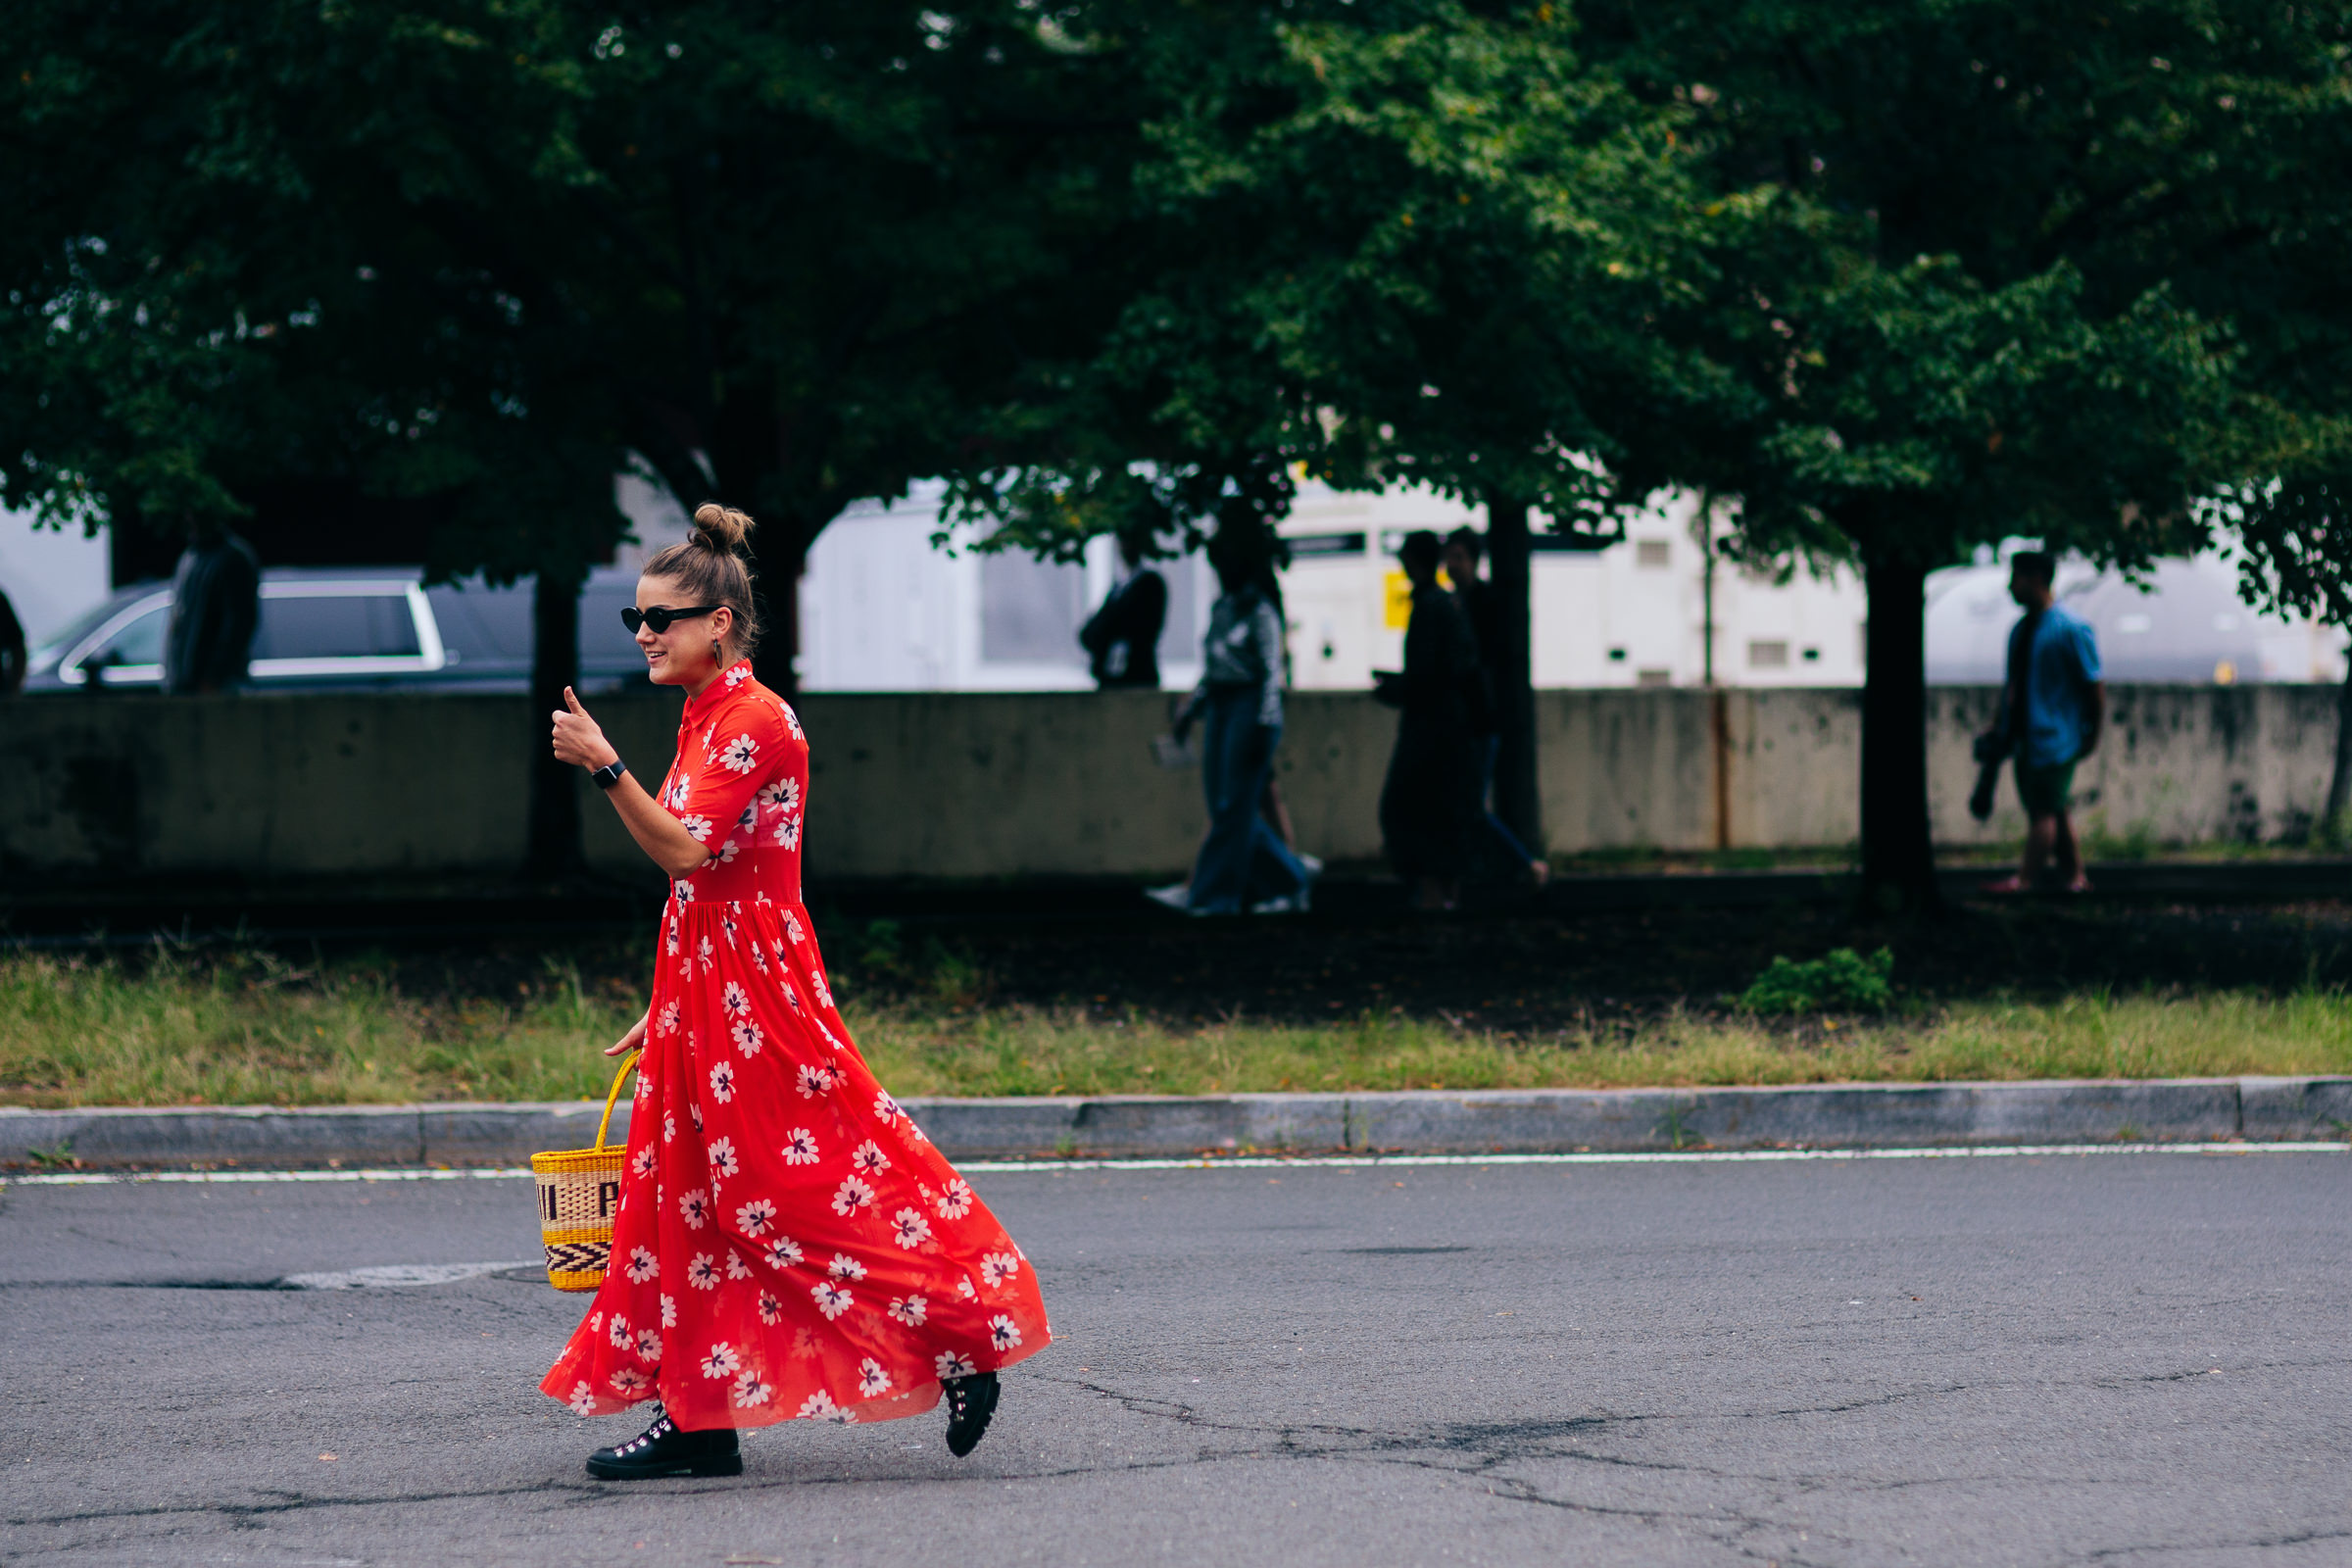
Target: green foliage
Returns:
[[1844, 979]]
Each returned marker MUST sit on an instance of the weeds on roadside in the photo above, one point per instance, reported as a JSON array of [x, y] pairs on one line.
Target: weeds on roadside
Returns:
[[253, 1029]]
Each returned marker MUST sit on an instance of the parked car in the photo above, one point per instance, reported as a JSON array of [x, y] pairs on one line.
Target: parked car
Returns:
[[375, 628]]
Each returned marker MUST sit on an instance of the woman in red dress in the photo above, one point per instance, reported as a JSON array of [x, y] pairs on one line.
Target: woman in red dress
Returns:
[[788, 1245]]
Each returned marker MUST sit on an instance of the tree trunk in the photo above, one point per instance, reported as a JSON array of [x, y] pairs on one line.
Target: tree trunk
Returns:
[[1898, 855], [2340, 787], [1509, 559], [776, 592], [555, 848]]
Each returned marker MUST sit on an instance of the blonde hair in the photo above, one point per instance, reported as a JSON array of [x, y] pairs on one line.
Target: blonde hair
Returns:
[[709, 566]]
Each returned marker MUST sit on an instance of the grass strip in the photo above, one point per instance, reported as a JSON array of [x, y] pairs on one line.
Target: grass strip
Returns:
[[76, 1032]]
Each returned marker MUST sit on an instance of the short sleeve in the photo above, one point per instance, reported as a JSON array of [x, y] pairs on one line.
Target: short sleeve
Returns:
[[746, 744], [2087, 652]]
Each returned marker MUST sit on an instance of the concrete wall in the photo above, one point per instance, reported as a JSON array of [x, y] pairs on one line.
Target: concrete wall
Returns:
[[971, 787]]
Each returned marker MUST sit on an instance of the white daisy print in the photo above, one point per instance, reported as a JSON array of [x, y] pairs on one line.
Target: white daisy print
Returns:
[[788, 832], [909, 1309], [641, 1164], [886, 1107], [872, 1381], [722, 1083], [694, 1209], [735, 999], [630, 1383], [800, 1147], [997, 1267], [755, 1217], [739, 755], [720, 1361], [783, 1253], [752, 1389], [869, 1158], [759, 959], [910, 1230], [643, 1265], [737, 1268], [792, 929], [708, 953], [697, 828], [721, 1155], [648, 1345], [819, 1406], [792, 721], [747, 1038], [1003, 1332], [963, 1288], [670, 1311], [737, 674], [792, 996], [771, 1308], [852, 1197], [583, 1398], [846, 1267], [815, 1081], [618, 1332], [692, 1108], [831, 1299], [703, 1273], [957, 1201], [669, 1127], [669, 1012], [825, 992], [952, 1365]]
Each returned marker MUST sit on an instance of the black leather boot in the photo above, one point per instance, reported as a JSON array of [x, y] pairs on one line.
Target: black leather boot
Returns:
[[665, 1450], [970, 1402]]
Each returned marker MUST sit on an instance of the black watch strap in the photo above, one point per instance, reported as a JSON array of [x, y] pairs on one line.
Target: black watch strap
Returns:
[[610, 774]]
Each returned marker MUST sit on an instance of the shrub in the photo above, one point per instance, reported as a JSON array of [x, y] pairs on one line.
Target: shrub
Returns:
[[1844, 979]]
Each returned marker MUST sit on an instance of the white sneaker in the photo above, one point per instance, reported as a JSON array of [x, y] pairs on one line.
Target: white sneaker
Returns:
[[1282, 903], [1312, 864], [1177, 896]]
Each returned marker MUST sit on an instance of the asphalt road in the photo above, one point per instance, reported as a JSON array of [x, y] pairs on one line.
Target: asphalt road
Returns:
[[2074, 1360]]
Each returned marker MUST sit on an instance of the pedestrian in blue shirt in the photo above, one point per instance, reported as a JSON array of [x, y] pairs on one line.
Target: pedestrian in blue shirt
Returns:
[[2053, 704]]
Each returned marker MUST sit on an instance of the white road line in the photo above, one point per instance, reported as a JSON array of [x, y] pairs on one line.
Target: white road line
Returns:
[[401, 1276], [1687, 1156]]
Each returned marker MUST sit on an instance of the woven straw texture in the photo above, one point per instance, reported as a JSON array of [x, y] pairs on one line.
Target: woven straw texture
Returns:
[[578, 1190]]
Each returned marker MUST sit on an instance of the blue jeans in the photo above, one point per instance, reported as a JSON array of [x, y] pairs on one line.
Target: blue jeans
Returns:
[[1489, 748], [1241, 862]]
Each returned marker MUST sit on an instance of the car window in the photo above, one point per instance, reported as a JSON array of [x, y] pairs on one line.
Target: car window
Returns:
[[481, 624], [606, 645], [335, 626], [142, 641]]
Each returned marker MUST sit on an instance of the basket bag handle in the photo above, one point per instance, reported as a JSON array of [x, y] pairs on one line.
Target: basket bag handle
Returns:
[[613, 1097]]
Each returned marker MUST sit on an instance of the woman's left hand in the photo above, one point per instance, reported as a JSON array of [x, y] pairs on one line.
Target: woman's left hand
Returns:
[[577, 739]]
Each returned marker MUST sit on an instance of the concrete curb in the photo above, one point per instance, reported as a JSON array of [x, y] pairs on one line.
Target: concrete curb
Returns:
[[1420, 1122]]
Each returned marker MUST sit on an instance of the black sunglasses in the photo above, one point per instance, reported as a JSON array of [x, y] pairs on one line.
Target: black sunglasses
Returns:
[[661, 617]]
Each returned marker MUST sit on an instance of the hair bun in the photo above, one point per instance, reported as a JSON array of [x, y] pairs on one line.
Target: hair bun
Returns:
[[721, 528]]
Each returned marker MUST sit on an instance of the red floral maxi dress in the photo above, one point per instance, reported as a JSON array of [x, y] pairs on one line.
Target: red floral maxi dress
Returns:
[[788, 1244]]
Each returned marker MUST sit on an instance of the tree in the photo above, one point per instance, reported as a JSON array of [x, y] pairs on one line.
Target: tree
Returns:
[[1952, 305], [482, 255], [1407, 241]]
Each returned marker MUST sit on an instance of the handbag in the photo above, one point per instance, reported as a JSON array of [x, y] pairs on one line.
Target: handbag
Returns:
[[578, 1191]]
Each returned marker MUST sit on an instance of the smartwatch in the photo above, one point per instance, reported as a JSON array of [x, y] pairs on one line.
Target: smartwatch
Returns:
[[610, 774]]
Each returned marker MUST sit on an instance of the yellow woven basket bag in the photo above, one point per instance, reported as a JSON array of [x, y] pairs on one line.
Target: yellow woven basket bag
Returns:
[[578, 1191]]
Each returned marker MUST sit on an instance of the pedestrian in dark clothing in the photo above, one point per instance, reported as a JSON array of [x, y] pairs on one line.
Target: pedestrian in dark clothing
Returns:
[[12, 647], [1464, 549], [2053, 705], [1243, 864], [216, 600], [1122, 638], [1430, 803]]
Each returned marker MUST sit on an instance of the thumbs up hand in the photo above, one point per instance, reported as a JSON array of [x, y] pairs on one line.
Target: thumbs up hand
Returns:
[[577, 737]]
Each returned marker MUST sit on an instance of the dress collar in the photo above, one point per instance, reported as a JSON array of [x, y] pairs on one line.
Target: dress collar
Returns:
[[730, 680]]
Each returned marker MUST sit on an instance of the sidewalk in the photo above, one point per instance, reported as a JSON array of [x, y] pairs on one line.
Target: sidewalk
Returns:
[[1423, 1122]]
